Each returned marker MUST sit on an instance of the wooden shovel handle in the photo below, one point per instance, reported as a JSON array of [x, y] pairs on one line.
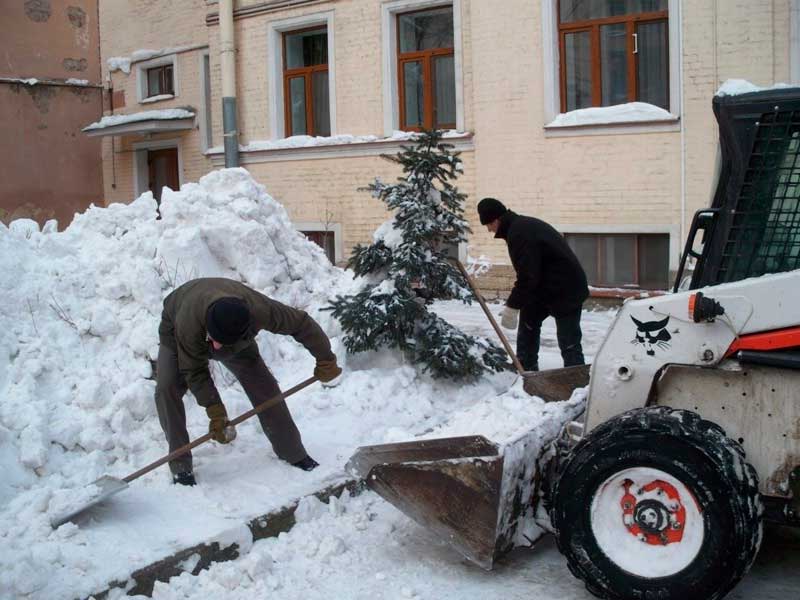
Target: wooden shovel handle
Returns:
[[482, 302], [204, 438]]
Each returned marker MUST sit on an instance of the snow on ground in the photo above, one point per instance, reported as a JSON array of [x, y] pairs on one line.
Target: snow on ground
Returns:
[[77, 334]]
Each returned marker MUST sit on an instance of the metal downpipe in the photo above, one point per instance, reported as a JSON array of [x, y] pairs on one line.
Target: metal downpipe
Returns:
[[227, 56]]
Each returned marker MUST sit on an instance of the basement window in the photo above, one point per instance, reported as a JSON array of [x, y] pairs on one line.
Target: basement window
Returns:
[[623, 260]]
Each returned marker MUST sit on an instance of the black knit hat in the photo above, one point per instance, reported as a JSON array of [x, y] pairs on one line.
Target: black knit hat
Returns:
[[227, 320], [490, 209]]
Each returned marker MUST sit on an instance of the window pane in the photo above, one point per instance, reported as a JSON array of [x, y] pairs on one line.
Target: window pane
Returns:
[[307, 48], [297, 99], [618, 252], [426, 30], [580, 10], [207, 98], [652, 69], [445, 90], [167, 88], [585, 248], [654, 261], [413, 90], [153, 82], [321, 103], [579, 69], [614, 64]]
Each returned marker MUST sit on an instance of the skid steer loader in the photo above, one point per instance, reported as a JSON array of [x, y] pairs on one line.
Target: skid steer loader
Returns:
[[690, 437]]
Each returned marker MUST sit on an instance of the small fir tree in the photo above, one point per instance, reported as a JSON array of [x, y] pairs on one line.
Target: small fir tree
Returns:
[[406, 269]]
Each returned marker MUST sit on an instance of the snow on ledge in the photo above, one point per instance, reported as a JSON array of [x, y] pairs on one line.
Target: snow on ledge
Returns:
[[166, 114], [307, 141], [157, 98], [736, 87], [632, 112]]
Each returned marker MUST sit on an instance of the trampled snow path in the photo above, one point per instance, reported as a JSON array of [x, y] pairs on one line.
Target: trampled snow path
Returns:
[[363, 548]]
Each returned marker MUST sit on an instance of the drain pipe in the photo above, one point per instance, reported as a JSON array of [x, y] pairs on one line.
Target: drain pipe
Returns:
[[227, 59]]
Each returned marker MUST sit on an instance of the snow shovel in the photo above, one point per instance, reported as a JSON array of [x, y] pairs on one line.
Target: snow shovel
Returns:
[[107, 485], [551, 385]]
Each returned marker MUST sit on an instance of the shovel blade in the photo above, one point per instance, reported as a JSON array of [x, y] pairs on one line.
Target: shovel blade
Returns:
[[93, 494], [555, 385], [451, 486]]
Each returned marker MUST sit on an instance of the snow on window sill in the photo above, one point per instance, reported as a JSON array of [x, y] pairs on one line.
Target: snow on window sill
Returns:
[[158, 98], [303, 147], [632, 117]]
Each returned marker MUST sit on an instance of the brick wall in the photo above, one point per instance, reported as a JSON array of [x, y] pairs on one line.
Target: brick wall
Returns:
[[619, 179]]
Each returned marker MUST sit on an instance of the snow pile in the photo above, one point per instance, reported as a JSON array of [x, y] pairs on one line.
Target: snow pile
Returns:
[[78, 331], [119, 63], [147, 115], [632, 112], [77, 337]]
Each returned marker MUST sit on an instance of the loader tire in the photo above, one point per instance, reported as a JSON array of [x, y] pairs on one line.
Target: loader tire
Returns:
[[657, 504]]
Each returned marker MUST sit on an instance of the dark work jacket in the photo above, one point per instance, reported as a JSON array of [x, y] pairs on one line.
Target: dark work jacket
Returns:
[[548, 272], [183, 328]]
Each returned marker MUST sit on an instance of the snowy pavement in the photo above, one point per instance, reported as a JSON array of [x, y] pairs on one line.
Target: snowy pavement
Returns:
[[363, 548], [76, 401]]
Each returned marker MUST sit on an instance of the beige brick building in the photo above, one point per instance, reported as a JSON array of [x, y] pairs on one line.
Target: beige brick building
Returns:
[[621, 183]]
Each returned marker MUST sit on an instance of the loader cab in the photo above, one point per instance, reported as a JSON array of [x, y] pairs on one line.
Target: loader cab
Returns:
[[753, 225]]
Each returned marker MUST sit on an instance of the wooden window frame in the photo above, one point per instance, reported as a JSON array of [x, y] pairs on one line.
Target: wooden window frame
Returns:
[[166, 80], [601, 260], [426, 57], [631, 21], [308, 74]]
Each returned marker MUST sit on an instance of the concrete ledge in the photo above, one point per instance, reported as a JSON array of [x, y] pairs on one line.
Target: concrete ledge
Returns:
[[201, 556]]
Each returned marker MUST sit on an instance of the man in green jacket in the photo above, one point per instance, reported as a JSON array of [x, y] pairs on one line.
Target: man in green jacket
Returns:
[[214, 318]]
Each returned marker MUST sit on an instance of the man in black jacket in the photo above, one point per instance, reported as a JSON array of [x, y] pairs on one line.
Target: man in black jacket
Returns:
[[550, 281]]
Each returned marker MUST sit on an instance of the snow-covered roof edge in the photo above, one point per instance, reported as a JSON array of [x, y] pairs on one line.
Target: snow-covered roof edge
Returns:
[[736, 87], [147, 115]]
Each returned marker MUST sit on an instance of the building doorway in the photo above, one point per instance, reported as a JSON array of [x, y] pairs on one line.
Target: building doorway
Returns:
[[162, 170]]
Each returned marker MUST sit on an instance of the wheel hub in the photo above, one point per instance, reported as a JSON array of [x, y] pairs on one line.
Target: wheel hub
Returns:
[[647, 522], [654, 512]]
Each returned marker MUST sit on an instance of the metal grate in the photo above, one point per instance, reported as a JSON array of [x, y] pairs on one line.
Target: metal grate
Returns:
[[765, 232]]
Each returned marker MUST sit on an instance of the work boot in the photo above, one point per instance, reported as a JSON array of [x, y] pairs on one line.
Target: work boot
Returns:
[[307, 464], [185, 478]]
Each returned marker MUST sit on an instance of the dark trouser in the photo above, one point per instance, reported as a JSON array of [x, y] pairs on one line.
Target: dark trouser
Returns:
[[568, 332], [259, 385]]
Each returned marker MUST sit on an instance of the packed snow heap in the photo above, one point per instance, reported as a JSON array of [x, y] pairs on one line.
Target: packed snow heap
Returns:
[[77, 339]]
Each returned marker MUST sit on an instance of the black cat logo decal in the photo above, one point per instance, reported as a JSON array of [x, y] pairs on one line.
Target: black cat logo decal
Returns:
[[652, 334]]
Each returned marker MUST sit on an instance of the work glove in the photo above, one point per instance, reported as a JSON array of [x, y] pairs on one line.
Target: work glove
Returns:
[[218, 425], [509, 317], [328, 372]]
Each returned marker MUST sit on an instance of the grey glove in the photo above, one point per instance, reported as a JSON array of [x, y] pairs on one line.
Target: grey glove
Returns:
[[509, 318]]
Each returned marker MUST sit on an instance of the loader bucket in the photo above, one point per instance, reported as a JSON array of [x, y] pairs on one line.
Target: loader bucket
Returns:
[[474, 494]]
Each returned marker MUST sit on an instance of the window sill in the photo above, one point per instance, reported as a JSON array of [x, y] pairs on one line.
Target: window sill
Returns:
[[341, 146], [158, 98], [617, 128]]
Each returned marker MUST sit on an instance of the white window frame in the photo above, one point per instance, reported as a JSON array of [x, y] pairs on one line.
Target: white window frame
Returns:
[[204, 119], [275, 31], [141, 76], [334, 228], [794, 45], [391, 94], [551, 67], [140, 174]]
